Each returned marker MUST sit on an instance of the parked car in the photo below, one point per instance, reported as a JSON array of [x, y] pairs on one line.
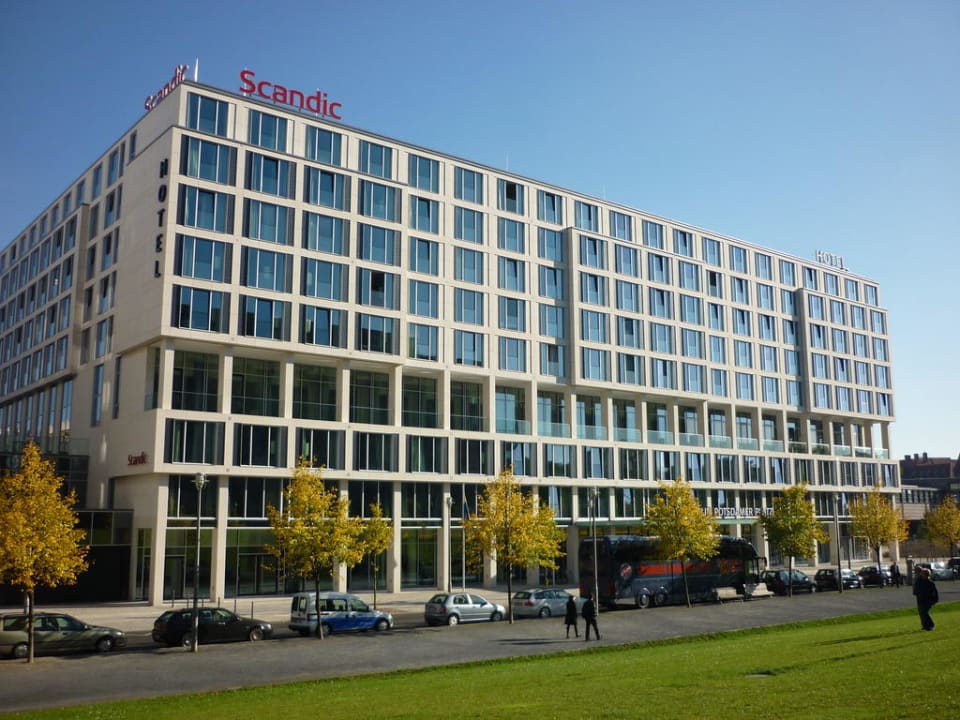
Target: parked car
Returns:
[[458, 607], [938, 570], [339, 612], [779, 581], [543, 602], [872, 576], [55, 633], [954, 563], [175, 627], [826, 579]]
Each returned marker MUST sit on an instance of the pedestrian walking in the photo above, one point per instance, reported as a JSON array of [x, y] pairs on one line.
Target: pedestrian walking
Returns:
[[927, 596], [570, 618], [896, 579], [589, 613]]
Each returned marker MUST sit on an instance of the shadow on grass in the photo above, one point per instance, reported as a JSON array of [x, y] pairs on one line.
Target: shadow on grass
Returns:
[[861, 638], [871, 653]]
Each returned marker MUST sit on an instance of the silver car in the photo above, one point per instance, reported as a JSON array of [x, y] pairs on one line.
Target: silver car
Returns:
[[55, 633], [457, 607], [543, 602]]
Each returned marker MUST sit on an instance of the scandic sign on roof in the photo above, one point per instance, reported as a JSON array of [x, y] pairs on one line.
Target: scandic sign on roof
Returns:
[[316, 103]]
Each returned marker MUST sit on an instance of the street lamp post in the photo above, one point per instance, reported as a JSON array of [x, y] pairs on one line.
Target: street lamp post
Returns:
[[836, 528], [449, 543], [200, 481], [593, 532]]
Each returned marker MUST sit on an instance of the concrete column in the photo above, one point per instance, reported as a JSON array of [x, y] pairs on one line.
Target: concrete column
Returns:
[[394, 553], [444, 549], [218, 549]]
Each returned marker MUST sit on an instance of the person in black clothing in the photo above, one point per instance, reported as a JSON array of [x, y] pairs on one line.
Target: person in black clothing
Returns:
[[927, 596], [896, 579], [589, 613], [570, 618]]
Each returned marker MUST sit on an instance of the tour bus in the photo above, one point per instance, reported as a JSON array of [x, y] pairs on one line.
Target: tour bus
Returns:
[[630, 569]]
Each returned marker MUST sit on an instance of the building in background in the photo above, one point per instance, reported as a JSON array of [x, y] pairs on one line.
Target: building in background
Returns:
[[236, 283]]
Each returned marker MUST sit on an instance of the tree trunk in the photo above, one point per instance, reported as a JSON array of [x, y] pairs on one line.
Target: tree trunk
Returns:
[[790, 577], [686, 589], [316, 605], [375, 586], [30, 622], [510, 591], [879, 568]]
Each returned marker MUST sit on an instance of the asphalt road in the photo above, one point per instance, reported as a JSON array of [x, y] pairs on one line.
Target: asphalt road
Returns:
[[147, 670]]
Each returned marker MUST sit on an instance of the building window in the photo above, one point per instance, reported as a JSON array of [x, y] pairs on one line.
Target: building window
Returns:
[[468, 306], [510, 196], [587, 216], [324, 233], [323, 145], [621, 226], [424, 342], [549, 207], [321, 448], [513, 354], [322, 187], [550, 244], [628, 296], [369, 397], [593, 252], [266, 270], [653, 234], [468, 185], [424, 214], [267, 131], [322, 279], [323, 326], [376, 160], [468, 225], [426, 454], [377, 334], [200, 309], [467, 348], [424, 256], [314, 392], [379, 201], [205, 114], [264, 318], [377, 288], [659, 268], [208, 160], [206, 209], [512, 314], [683, 243], [268, 222], [423, 173], [259, 446], [378, 244], [193, 441], [738, 259], [468, 265], [255, 387], [375, 451], [270, 175], [593, 289], [511, 235], [200, 258]]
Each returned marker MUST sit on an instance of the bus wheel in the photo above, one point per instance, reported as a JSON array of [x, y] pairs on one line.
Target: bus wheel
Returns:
[[642, 601], [660, 598]]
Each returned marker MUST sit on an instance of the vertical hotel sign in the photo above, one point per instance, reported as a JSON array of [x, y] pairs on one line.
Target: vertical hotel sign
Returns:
[[153, 100]]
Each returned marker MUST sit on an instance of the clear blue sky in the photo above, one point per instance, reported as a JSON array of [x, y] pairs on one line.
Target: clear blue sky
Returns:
[[798, 126]]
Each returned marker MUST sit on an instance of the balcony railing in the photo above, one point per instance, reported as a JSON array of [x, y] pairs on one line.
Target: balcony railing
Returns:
[[744, 443], [863, 452], [881, 453], [773, 445], [797, 447], [819, 448], [467, 422], [842, 450], [691, 439], [592, 432], [513, 426], [626, 434], [549, 429], [660, 437], [721, 441]]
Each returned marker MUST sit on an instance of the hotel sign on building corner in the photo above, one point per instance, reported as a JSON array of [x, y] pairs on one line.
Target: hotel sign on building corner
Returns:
[[153, 100], [831, 260]]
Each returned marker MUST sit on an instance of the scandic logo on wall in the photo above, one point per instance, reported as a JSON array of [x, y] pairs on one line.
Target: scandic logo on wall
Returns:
[[153, 100], [316, 103]]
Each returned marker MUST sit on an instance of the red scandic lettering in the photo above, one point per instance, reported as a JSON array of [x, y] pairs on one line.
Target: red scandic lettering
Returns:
[[246, 84], [333, 113], [260, 89], [296, 98]]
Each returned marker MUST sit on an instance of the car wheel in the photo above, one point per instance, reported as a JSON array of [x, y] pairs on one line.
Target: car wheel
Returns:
[[545, 612], [496, 616], [327, 629], [381, 625], [660, 598], [187, 640], [104, 644], [255, 634], [453, 619], [19, 651], [642, 601], [813, 589]]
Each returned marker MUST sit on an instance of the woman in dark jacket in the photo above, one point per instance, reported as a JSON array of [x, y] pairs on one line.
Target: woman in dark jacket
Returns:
[[570, 618], [927, 596]]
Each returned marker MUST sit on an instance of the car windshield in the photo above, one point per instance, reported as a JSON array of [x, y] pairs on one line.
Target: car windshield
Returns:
[[522, 595], [438, 599]]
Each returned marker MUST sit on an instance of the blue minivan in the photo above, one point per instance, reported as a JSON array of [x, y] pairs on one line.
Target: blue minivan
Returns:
[[339, 612]]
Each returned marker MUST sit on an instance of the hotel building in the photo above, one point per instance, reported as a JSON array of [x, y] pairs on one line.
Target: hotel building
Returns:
[[237, 283]]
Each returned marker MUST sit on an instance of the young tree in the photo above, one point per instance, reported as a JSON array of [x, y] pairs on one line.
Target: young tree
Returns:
[[40, 545], [792, 528], [515, 527], [376, 537], [874, 518], [686, 532], [314, 532], [943, 524]]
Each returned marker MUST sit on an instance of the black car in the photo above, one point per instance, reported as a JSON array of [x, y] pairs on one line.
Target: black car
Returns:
[[875, 577], [779, 581], [826, 579], [175, 627]]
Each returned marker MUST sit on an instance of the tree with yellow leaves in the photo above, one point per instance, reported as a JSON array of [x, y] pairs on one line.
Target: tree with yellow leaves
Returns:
[[943, 524], [515, 527], [874, 518], [376, 537], [792, 528], [40, 545], [685, 531], [314, 532]]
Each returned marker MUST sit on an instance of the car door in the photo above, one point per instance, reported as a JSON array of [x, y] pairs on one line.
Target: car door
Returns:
[[46, 635], [480, 608], [558, 602], [361, 617], [463, 605]]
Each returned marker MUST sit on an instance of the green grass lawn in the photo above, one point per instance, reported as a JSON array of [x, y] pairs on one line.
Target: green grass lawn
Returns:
[[869, 666]]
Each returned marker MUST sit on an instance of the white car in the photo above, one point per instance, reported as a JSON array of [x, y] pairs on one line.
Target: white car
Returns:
[[543, 602], [457, 607]]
